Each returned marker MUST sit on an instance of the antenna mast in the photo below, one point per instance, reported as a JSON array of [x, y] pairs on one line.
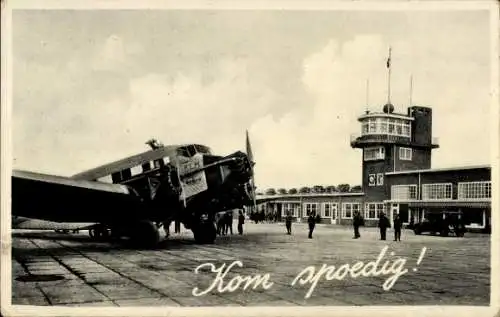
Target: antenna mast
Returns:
[[388, 64], [411, 89], [367, 95]]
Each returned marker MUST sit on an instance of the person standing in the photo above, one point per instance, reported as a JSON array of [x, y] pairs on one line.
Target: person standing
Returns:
[[288, 223], [383, 224], [397, 228], [312, 223], [241, 221], [177, 226], [357, 221], [218, 224], [229, 220]]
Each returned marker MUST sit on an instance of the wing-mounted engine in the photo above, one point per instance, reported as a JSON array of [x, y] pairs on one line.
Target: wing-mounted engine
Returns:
[[235, 188], [227, 187]]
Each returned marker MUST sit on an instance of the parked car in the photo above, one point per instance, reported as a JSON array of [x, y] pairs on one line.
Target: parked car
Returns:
[[443, 222]]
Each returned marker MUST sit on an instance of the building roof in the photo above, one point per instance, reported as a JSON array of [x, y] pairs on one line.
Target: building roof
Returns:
[[435, 170], [298, 195], [385, 115]]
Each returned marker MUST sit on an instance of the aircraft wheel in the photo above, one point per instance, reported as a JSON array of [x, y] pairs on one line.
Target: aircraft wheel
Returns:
[[92, 233], [145, 234], [205, 233]]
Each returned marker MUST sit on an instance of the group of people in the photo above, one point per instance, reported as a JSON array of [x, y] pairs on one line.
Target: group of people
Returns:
[[224, 221], [357, 221], [383, 225], [311, 220]]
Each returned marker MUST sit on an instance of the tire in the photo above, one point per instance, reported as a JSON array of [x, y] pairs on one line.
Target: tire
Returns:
[[417, 231], [205, 233], [145, 234]]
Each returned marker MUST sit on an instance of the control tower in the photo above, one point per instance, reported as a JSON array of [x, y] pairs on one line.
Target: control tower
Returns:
[[393, 142]]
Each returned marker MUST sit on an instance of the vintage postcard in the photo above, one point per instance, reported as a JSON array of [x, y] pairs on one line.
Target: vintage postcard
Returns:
[[241, 158]]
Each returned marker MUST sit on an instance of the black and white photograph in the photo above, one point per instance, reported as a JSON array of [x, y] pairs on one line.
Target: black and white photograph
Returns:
[[264, 157]]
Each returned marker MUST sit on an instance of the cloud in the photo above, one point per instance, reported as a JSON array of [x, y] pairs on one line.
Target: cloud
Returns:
[[313, 142], [112, 54], [96, 92]]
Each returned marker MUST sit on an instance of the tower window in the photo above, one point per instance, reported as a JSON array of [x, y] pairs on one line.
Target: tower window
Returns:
[[374, 153], [383, 126], [390, 126], [405, 154]]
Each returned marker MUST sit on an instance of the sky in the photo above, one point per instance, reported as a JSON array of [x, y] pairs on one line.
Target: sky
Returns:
[[90, 87]]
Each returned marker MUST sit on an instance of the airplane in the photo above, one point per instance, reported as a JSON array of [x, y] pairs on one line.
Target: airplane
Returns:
[[135, 196]]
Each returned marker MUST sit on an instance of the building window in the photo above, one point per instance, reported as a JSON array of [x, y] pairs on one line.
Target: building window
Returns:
[[289, 208], [436, 191], [404, 192], [390, 126], [405, 154], [374, 153], [474, 190], [348, 210], [380, 179], [373, 210], [406, 129], [329, 210], [383, 126], [311, 208]]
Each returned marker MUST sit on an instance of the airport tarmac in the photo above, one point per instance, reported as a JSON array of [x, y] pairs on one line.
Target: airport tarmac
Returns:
[[81, 272]]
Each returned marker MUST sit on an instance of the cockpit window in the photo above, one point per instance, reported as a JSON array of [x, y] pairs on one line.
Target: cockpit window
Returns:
[[202, 149], [191, 150], [183, 151]]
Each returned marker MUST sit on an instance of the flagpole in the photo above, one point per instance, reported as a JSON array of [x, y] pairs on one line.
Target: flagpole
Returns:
[[411, 89], [389, 76], [367, 95]]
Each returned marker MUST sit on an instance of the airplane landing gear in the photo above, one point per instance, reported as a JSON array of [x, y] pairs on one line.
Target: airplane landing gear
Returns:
[[145, 234], [205, 233], [99, 232]]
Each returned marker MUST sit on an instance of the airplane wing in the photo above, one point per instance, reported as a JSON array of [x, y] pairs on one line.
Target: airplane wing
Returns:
[[62, 199], [35, 224]]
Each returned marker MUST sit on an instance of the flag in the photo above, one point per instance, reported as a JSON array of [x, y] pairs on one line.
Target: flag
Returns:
[[389, 59], [249, 149]]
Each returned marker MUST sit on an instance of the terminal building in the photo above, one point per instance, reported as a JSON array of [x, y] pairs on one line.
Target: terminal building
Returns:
[[397, 178]]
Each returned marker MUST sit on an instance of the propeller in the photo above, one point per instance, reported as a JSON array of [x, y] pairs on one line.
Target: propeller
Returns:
[[252, 174]]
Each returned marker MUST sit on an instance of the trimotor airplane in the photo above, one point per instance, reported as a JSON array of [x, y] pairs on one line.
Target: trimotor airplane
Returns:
[[135, 196]]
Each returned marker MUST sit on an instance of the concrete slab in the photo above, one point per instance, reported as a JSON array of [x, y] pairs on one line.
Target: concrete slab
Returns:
[[453, 271]]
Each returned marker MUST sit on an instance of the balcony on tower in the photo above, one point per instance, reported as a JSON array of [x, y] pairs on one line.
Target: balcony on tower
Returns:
[[379, 128]]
